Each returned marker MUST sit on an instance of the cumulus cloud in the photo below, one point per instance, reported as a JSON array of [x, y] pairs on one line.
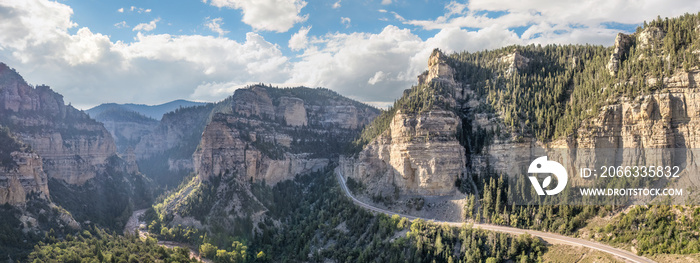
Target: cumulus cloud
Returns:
[[88, 68], [267, 15], [346, 63], [336, 5], [215, 26], [147, 26], [300, 39], [553, 21], [120, 10], [386, 2]]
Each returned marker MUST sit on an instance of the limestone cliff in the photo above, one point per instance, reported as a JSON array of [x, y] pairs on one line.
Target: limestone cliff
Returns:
[[262, 135], [419, 153], [21, 172], [73, 146], [50, 149], [515, 62], [175, 137], [126, 127], [272, 134], [620, 50]]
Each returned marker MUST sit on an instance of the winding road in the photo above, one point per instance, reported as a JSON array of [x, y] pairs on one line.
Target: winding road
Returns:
[[549, 237]]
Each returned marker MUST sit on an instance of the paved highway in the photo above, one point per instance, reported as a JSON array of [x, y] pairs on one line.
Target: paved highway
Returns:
[[549, 237]]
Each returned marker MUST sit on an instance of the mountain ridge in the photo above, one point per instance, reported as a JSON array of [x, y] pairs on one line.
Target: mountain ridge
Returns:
[[155, 111]]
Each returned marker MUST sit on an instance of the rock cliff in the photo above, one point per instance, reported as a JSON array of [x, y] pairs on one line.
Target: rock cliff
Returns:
[[272, 134], [50, 149], [419, 153], [73, 146], [26, 176], [515, 62], [261, 136], [650, 37], [126, 127], [620, 50], [178, 129]]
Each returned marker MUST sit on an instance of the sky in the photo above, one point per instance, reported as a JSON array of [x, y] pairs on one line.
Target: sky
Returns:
[[152, 52]]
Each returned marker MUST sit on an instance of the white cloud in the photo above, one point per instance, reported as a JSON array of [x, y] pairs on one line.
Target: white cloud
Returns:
[[139, 10], [120, 10], [345, 21], [300, 39], [267, 15], [398, 17], [147, 26], [336, 5], [551, 21], [215, 26], [382, 11], [386, 2], [121, 24], [88, 68], [379, 76], [345, 63]]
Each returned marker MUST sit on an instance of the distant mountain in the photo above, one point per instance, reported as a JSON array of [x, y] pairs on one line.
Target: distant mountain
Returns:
[[151, 111]]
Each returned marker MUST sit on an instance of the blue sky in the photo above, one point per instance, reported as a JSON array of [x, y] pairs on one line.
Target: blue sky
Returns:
[[152, 52]]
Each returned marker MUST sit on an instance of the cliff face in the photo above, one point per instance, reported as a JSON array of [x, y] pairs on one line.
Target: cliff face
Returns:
[[73, 146], [225, 152], [622, 45], [126, 127], [273, 134], [51, 149], [181, 130], [262, 135], [419, 154], [27, 176]]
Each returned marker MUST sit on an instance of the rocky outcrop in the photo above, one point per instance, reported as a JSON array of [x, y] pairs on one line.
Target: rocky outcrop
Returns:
[[622, 44], [228, 151], [127, 134], [292, 111], [263, 135], [650, 37], [660, 128], [419, 153], [73, 146], [267, 134], [25, 177], [515, 62], [176, 135], [438, 69]]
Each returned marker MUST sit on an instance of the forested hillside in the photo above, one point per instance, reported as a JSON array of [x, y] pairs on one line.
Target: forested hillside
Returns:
[[547, 91]]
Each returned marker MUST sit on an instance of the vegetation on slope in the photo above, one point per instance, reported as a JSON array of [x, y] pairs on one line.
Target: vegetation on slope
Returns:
[[562, 85], [106, 200], [309, 219], [655, 229], [101, 246]]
